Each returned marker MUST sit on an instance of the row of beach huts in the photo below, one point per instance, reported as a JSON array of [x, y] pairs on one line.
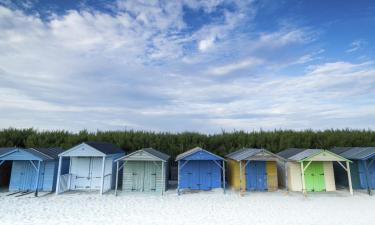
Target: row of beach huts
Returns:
[[102, 166]]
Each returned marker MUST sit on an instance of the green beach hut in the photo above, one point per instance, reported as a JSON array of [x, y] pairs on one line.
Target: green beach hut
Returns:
[[144, 170]]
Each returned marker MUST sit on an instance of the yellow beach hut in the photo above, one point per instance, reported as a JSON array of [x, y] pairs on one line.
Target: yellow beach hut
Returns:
[[253, 169]]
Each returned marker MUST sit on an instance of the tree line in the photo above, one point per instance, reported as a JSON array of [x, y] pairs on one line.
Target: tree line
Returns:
[[176, 143]]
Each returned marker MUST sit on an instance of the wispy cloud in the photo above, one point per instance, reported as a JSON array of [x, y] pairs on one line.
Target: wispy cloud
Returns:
[[355, 46], [229, 68]]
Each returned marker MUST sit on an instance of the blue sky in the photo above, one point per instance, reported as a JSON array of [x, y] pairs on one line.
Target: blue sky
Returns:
[[187, 65]]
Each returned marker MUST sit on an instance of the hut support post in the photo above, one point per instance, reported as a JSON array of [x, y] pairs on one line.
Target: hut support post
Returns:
[[103, 169], [367, 181], [286, 176], [224, 176], [178, 177], [240, 177], [58, 176], [69, 175], [303, 179], [116, 177], [349, 177], [162, 178], [37, 180]]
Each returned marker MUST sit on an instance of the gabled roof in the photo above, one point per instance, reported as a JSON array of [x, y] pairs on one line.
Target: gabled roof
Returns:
[[308, 154], [157, 153], [193, 151], [105, 147], [246, 153], [52, 153], [151, 151], [41, 153], [4, 151], [358, 153], [340, 150], [305, 154], [287, 153]]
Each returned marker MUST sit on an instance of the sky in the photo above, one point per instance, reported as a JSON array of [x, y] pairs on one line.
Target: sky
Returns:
[[187, 65]]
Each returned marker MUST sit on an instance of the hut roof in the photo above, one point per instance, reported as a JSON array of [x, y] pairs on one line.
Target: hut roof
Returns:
[[41, 153], [340, 150], [246, 153], [359, 153], [104, 147], [305, 154], [287, 153], [6, 150], [195, 150], [151, 151], [52, 153], [296, 154]]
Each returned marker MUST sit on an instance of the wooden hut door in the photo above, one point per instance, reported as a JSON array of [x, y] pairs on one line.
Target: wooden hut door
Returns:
[[138, 173], [150, 177], [80, 169], [96, 173], [371, 173], [205, 178], [28, 176], [314, 177], [256, 176], [191, 177], [362, 173]]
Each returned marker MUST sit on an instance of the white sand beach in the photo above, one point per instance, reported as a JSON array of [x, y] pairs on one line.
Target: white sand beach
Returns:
[[192, 208]]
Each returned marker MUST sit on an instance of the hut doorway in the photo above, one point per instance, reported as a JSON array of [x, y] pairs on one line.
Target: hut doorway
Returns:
[[5, 172], [200, 174], [314, 177], [256, 176], [143, 175], [370, 179], [87, 171]]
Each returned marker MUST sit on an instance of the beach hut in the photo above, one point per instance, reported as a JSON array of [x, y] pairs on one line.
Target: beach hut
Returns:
[[199, 169], [311, 170], [91, 167], [144, 170], [362, 169], [258, 169], [26, 170]]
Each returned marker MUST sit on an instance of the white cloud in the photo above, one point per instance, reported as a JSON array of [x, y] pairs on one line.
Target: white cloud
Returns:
[[89, 69], [229, 68], [206, 44], [284, 37], [355, 46]]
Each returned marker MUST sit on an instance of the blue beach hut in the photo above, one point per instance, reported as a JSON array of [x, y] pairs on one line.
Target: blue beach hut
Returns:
[[29, 169], [362, 168], [91, 167], [199, 169]]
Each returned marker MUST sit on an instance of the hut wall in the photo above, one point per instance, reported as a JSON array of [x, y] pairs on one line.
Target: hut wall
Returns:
[[362, 174], [294, 176], [271, 170], [281, 173], [329, 177], [23, 176], [234, 175]]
